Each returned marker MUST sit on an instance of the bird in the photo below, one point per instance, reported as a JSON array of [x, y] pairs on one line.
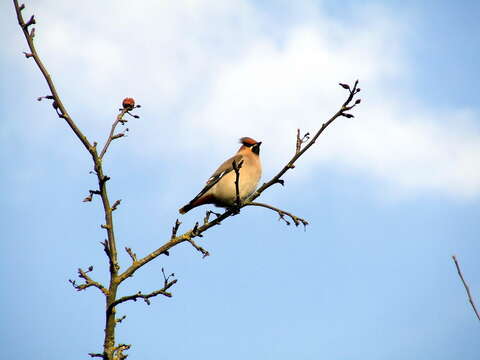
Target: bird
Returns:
[[220, 189]]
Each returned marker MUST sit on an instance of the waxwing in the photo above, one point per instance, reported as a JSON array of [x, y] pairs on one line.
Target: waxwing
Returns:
[[220, 189]]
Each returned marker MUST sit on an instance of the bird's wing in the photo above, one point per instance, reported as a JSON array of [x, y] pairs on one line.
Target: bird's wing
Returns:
[[222, 170]]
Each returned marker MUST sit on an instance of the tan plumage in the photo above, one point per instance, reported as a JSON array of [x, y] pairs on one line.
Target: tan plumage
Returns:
[[220, 189]]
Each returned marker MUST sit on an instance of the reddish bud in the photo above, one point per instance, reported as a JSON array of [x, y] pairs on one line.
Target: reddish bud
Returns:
[[128, 103]]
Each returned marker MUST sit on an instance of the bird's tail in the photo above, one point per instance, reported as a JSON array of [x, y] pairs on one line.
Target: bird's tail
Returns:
[[186, 208], [200, 199]]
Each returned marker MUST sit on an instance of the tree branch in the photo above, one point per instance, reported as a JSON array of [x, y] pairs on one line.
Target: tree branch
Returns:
[[112, 135], [290, 165], [470, 298], [204, 252], [132, 255], [163, 291], [93, 355], [117, 352], [145, 297], [282, 213], [88, 282], [57, 102]]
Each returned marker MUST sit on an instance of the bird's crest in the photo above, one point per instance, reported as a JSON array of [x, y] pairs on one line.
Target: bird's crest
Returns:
[[247, 141]]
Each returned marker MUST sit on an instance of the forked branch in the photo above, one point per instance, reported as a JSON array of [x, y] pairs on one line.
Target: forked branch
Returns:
[[282, 213], [88, 282]]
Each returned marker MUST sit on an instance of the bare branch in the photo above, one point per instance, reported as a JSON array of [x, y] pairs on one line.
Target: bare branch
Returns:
[[31, 21], [133, 256], [93, 355], [117, 352], [120, 319], [88, 282], [207, 216], [290, 165], [119, 119], [282, 213], [204, 252], [146, 297], [470, 299], [90, 197], [105, 247], [166, 278], [115, 204], [300, 141], [175, 229]]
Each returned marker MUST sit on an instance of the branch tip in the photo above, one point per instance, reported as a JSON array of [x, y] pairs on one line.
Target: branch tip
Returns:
[[120, 319], [30, 21], [93, 355], [115, 204], [175, 229], [132, 255], [204, 252]]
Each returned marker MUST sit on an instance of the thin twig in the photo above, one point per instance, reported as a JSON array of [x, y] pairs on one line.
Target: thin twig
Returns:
[[146, 297], [119, 119], [175, 229], [117, 352], [115, 204], [282, 213], [470, 298], [88, 282], [120, 319], [96, 355], [204, 252], [300, 141], [132, 255]]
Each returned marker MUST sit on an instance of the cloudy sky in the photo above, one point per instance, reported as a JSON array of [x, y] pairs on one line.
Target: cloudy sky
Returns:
[[390, 195]]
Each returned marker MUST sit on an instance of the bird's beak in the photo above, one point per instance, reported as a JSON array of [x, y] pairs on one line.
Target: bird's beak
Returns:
[[259, 143]]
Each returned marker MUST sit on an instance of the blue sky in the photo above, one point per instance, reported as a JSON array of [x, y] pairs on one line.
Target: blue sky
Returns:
[[390, 195]]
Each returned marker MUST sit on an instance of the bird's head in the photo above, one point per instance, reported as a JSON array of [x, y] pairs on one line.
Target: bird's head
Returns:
[[249, 143]]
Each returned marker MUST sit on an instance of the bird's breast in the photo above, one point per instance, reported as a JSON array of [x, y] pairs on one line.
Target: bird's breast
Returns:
[[225, 191]]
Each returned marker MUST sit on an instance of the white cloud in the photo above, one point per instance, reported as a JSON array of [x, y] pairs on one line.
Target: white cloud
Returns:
[[216, 71]]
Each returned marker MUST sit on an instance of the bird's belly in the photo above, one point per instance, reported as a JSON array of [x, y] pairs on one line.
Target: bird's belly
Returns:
[[225, 192]]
